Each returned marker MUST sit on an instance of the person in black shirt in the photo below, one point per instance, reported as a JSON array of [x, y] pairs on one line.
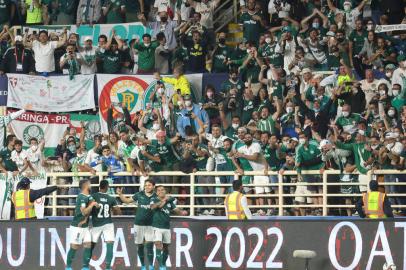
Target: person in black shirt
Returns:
[[18, 59], [197, 51]]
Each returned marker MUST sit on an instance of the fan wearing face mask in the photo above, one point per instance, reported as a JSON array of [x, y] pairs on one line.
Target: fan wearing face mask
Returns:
[[34, 154], [351, 14], [193, 115], [398, 99], [348, 120], [221, 55]]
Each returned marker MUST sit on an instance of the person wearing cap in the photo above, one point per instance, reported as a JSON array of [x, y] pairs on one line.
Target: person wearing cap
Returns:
[[17, 59], [24, 198], [287, 47], [374, 204], [236, 203], [87, 56]]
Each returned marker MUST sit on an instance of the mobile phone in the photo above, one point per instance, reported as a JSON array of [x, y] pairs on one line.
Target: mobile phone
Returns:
[[19, 32]]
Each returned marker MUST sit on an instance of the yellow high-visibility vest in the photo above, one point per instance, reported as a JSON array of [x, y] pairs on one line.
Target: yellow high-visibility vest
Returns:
[[234, 207], [23, 207], [34, 14], [373, 204]]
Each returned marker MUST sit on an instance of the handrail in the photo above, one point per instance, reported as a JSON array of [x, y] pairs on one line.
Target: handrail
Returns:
[[190, 198]]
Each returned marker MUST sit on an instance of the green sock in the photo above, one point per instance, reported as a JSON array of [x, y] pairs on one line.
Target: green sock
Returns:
[[87, 255], [70, 257], [164, 256], [159, 256], [150, 253], [141, 253], [109, 255]]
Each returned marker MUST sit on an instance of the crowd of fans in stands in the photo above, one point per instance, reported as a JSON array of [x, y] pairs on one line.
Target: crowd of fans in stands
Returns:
[[311, 87]]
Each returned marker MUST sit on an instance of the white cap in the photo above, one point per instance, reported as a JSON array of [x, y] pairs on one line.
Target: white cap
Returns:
[[294, 139], [391, 135], [324, 143], [347, 2], [86, 38], [18, 38], [306, 70]]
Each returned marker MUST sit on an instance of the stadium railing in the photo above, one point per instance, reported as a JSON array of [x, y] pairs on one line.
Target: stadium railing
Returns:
[[192, 184]]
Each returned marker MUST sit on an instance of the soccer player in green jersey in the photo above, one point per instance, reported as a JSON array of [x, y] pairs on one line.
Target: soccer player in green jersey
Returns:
[[162, 207], [79, 228], [143, 220], [101, 220]]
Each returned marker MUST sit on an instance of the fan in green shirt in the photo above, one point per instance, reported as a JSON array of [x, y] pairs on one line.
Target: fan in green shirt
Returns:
[[102, 222], [79, 225], [114, 11], [268, 53], [163, 206], [308, 155], [112, 59], [252, 22], [348, 121], [233, 82], [143, 219], [146, 54], [267, 121], [221, 55]]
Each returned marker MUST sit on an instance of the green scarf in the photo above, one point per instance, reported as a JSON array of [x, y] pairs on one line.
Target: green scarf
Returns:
[[73, 68]]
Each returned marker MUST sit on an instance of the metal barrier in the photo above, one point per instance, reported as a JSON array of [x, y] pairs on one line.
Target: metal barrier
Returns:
[[280, 195]]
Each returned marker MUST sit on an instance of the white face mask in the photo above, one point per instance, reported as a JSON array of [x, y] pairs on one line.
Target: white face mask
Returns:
[[268, 40], [395, 92], [180, 104], [339, 24], [156, 126], [34, 148], [347, 7], [369, 27], [391, 113], [382, 93], [160, 90], [388, 74], [355, 91], [315, 25], [147, 44], [389, 146], [142, 147], [346, 114], [374, 147], [104, 143], [188, 103], [361, 132], [235, 126], [302, 141], [289, 109]]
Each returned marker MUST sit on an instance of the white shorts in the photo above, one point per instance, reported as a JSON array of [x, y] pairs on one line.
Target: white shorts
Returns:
[[261, 181], [364, 181], [79, 235], [107, 230], [143, 234], [162, 235], [301, 191]]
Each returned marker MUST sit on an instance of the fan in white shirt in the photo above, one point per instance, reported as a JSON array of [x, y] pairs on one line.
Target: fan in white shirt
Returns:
[[44, 51], [19, 156]]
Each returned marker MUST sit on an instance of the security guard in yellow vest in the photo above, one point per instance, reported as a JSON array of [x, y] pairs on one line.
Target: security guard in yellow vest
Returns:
[[24, 198], [236, 203], [374, 204]]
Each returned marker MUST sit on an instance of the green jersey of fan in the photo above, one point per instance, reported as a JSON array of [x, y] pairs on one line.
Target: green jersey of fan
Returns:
[[79, 220], [143, 216], [102, 216], [161, 217]]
